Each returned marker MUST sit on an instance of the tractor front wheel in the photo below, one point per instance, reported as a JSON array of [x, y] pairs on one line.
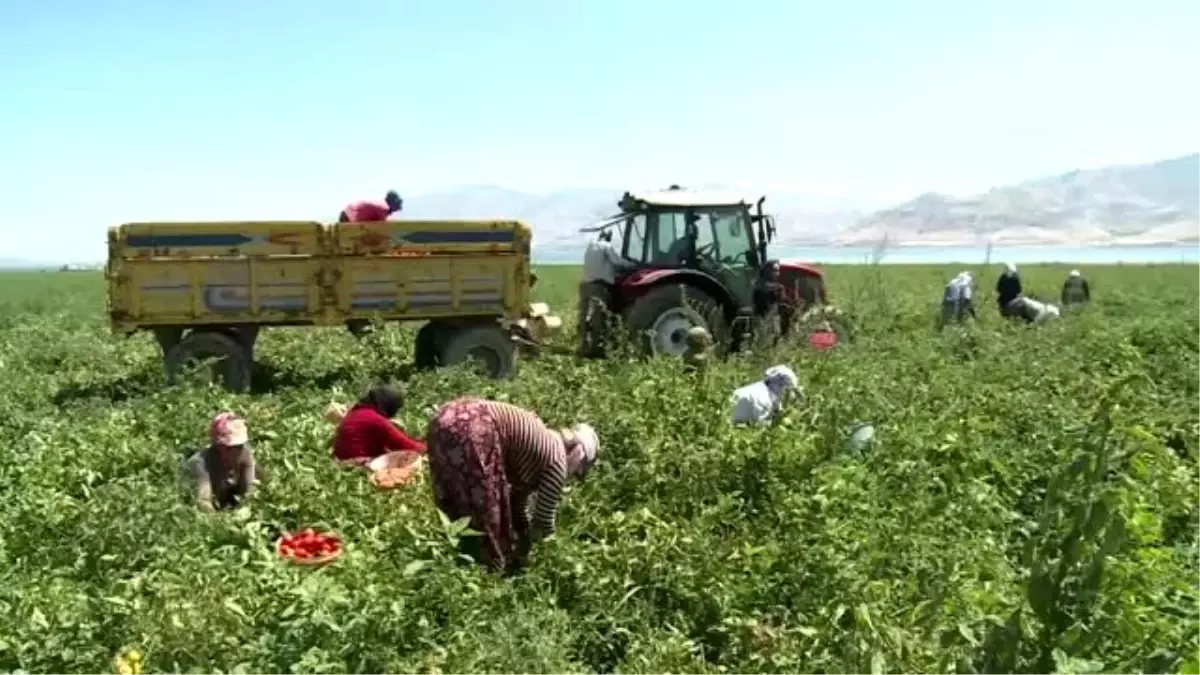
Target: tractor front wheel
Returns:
[[660, 319]]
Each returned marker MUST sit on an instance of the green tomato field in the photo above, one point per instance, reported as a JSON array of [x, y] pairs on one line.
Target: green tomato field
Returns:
[[1028, 503]]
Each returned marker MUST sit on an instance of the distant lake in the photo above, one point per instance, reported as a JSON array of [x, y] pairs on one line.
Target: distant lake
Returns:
[[919, 255]]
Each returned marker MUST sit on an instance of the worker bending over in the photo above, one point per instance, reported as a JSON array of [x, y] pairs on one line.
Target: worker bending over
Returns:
[[372, 212]]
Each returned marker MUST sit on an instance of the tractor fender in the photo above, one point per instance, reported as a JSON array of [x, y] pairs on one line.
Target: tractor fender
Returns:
[[637, 284], [790, 274]]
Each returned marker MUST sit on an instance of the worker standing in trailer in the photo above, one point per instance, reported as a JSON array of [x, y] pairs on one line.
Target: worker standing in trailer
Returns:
[[372, 212]]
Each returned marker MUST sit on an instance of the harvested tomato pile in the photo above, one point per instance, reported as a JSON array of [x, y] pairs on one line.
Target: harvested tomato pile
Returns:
[[398, 469], [309, 547]]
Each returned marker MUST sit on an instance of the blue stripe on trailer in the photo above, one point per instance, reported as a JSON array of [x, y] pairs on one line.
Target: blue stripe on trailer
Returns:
[[186, 240], [460, 237]]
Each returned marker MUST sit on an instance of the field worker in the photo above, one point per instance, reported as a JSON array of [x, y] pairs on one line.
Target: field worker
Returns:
[[1008, 287], [699, 349], [958, 299], [487, 458], [1075, 291], [763, 401], [224, 472], [1032, 311], [367, 430], [770, 294], [372, 212], [601, 265]]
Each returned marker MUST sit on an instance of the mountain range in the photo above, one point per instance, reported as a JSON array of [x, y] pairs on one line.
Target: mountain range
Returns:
[[1148, 204], [1157, 203]]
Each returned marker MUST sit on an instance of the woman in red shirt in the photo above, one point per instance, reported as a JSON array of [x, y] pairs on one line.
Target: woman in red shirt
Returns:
[[367, 431]]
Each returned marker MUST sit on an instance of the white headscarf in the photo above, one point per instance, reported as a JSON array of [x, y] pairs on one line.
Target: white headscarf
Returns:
[[1011, 268], [589, 442], [1074, 273], [780, 379]]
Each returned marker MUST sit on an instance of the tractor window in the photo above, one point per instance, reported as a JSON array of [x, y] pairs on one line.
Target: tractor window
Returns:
[[732, 234], [670, 245], [810, 289], [707, 245], [634, 242]]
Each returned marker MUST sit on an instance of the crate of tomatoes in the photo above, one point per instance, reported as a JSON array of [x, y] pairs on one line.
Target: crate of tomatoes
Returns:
[[309, 547]]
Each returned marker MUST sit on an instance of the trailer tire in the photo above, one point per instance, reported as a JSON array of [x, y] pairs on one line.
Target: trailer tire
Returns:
[[489, 344], [428, 345], [233, 367]]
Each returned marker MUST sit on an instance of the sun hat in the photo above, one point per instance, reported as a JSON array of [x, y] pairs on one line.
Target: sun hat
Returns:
[[227, 429]]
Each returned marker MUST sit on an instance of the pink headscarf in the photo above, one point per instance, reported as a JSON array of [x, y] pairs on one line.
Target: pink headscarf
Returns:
[[227, 429]]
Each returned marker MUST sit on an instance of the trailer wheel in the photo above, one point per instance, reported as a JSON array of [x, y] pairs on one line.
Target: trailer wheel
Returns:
[[231, 363], [489, 345], [427, 350]]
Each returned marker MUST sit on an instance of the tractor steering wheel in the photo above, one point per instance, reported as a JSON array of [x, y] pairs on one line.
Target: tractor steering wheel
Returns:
[[743, 256]]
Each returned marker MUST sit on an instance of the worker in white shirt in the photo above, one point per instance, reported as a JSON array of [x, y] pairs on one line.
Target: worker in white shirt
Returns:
[[958, 299], [763, 401], [1033, 311], [601, 265]]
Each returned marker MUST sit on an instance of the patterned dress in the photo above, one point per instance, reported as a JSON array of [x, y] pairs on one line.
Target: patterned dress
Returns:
[[487, 459]]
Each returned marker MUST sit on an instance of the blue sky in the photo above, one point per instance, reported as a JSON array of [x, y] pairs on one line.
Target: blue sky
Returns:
[[117, 110]]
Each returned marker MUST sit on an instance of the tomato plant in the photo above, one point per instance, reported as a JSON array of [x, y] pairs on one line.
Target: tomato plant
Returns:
[[1028, 502]]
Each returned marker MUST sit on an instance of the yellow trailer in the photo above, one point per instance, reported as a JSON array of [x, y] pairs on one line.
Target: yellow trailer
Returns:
[[205, 290]]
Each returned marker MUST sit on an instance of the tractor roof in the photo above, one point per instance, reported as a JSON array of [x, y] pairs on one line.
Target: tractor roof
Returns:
[[682, 197]]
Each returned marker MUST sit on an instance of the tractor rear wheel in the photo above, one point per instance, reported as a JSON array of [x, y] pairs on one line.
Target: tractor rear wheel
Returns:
[[660, 319]]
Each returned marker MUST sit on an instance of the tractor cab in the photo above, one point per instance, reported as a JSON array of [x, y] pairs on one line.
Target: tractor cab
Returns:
[[717, 234]]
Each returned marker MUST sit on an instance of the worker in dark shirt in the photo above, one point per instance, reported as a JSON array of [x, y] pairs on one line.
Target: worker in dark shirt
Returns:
[[1075, 291], [1008, 288], [770, 294]]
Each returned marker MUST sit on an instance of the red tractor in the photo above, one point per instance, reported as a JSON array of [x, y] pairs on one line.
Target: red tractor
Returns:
[[696, 258]]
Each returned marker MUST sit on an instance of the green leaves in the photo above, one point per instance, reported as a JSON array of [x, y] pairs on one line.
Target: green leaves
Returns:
[[1028, 504]]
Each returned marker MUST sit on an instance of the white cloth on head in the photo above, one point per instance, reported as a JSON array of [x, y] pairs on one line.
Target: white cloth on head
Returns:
[[1010, 268], [1074, 273], [589, 440], [781, 378], [601, 261]]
